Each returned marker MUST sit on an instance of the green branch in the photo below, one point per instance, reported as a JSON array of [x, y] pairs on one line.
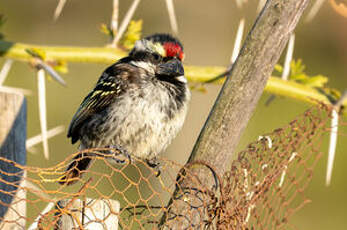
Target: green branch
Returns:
[[200, 74], [69, 54]]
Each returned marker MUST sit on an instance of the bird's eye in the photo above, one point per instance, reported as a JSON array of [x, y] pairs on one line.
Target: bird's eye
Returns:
[[156, 57]]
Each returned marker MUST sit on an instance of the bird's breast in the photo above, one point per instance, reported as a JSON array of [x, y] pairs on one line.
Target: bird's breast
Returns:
[[143, 121]]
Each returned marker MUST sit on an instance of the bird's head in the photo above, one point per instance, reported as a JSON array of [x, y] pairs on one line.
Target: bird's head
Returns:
[[161, 55]]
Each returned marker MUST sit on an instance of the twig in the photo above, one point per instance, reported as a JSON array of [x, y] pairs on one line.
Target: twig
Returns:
[[238, 41], [37, 139], [126, 21], [333, 137], [236, 50], [34, 225], [284, 172], [43, 110], [114, 21], [332, 145], [59, 9], [201, 74], [50, 71], [289, 57], [172, 16], [286, 66], [239, 3], [8, 89], [314, 10], [5, 70]]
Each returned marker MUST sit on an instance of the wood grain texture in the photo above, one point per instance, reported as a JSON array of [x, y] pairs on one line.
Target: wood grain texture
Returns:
[[12, 147]]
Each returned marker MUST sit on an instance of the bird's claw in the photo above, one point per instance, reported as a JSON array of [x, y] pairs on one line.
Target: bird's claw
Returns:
[[155, 165], [120, 151]]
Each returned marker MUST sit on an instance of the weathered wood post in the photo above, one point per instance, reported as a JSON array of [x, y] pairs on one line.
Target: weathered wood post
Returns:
[[12, 146]]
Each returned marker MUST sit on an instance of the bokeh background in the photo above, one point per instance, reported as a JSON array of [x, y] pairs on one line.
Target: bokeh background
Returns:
[[207, 29]]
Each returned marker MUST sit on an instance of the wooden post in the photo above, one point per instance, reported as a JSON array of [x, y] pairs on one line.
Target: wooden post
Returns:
[[92, 214], [12, 147]]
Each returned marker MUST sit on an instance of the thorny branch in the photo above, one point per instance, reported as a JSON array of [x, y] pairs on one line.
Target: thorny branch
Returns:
[[201, 74]]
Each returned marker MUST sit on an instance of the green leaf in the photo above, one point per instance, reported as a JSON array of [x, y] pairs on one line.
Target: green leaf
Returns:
[[297, 68], [332, 94], [61, 66], [105, 29], [315, 81], [132, 34], [198, 87], [299, 77], [36, 53], [279, 68]]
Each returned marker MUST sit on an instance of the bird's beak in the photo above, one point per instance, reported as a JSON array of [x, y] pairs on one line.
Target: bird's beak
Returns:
[[173, 68]]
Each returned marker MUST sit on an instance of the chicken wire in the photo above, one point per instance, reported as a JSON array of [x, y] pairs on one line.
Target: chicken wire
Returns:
[[262, 190]]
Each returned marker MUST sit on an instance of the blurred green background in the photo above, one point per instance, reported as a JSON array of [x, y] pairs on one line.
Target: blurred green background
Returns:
[[207, 29]]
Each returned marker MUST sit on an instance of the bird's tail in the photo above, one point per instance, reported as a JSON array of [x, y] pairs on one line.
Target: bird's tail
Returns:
[[76, 168]]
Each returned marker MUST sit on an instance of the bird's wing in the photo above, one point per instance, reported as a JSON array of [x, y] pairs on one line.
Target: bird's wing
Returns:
[[109, 87]]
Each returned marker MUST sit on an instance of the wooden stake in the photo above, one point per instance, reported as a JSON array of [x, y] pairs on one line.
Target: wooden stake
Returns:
[[12, 147]]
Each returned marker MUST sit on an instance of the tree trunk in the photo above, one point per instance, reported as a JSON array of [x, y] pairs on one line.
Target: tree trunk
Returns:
[[235, 104]]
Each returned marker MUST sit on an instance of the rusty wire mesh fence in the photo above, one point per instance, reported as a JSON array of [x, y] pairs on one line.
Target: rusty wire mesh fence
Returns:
[[263, 189]]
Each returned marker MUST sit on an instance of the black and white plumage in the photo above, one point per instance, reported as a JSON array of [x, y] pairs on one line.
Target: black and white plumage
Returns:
[[138, 104]]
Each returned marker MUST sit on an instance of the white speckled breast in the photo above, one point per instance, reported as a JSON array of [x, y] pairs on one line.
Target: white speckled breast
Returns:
[[150, 118]]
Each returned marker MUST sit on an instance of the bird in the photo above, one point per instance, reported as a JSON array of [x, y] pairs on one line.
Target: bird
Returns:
[[139, 105]]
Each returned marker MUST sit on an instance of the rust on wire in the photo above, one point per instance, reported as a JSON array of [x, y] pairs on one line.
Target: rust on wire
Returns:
[[262, 190]]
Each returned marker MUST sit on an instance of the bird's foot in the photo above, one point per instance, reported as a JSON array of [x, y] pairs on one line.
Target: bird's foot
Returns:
[[120, 155], [153, 163]]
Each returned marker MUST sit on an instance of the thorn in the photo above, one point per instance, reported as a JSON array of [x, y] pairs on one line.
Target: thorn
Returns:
[[5, 70], [38, 138], [8, 89], [114, 21], [43, 110], [50, 71], [332, 145], [172, 16], [32, 150], [314, 10], [286, 67], [284, 172], [333, 136], [245, 183], [126, 21], [238, 40], [289, 57], [249, 210], [236, 50], [35, 224], [59, 9], [239, 3]]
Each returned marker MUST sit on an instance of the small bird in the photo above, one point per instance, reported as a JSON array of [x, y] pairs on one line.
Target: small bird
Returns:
[[139, 104]]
